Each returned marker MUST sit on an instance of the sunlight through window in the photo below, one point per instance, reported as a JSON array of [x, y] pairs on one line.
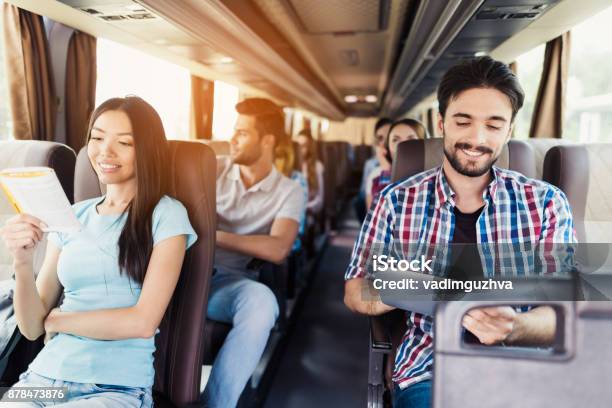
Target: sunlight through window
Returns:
[[529, 67], [224, 111], [126, 71], [588, 115]]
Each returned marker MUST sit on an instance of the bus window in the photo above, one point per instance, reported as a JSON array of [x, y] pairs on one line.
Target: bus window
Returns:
[[6, 131], [123, 70], [589, 91], [224, 114], [529, 67]]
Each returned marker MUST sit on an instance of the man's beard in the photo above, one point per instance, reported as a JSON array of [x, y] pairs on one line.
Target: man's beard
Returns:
[[246, 158], [470, 170]]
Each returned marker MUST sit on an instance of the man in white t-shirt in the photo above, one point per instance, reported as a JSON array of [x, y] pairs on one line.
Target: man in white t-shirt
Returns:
[[258, 214]]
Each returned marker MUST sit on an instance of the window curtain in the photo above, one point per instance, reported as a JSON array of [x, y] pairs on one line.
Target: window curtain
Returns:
[[513, 67], [31, 89], [547, 119], [80, 87], [432, 122], [202, 105]]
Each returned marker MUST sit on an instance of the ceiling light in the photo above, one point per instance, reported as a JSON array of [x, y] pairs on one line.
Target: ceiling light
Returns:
[[371, 98], [351, 98], [480, 54], [226, 60]]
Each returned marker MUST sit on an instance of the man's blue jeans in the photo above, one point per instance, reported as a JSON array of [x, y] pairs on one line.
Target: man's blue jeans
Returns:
[[415, 396], [252, 309]]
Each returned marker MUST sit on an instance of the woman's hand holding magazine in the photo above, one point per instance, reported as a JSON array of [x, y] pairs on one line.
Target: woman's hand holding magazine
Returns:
[[38, 192], [21, 234]]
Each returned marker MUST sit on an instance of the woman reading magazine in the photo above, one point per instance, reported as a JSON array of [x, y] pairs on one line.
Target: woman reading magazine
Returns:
[[117, 274]]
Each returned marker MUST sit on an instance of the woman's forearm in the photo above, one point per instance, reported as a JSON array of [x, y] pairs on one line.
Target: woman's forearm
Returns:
[[30, 310], [316, 203], [106, 324]]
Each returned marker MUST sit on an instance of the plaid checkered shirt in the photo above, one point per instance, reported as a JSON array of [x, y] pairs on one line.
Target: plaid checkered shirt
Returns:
[[521, 220]]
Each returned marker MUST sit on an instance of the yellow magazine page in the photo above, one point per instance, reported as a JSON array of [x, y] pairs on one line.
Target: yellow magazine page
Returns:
[[37, 191]]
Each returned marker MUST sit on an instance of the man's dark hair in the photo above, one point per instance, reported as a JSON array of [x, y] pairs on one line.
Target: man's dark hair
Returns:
[[481, 72], [382, 122], [269, 117]]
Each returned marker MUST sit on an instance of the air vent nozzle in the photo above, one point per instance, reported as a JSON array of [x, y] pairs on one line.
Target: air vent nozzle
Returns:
[[510, 12], [141, 16], [528, 16], [91, 11], [113, 18]]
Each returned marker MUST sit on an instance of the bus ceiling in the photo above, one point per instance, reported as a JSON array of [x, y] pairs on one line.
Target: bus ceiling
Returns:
[[335, 58]]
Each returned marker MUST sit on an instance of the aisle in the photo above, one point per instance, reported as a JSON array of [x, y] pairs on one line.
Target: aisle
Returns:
[[325, 363]]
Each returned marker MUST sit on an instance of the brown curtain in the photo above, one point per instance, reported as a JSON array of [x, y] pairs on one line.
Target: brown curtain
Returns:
[[289, 123], [423, 118], [432, 122], [513, 67], [31, 88], [202, 104], [80, 87], [547, 119]]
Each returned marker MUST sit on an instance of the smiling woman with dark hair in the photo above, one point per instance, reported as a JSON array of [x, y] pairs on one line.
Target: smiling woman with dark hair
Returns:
[[117, 274]]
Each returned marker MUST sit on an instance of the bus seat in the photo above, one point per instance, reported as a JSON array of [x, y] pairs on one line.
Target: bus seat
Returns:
[[19, 153], [61, 158], [362, 154], [214, 336], [342, 166], [179, 345], [583, 172], [330, 160], [416, 156], [540, 147], [465, 376]]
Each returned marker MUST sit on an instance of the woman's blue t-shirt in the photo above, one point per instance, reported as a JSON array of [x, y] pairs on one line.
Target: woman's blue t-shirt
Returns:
[[88, 270]]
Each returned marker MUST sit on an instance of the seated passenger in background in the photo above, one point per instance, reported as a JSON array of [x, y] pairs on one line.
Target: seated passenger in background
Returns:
[[117, 274], [313, 170], [284, 160], [381, 129], [380, 177], [465, 200], [258, 214]]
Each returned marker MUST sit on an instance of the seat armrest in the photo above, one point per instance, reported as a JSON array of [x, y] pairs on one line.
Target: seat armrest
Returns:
[[380, 338], [379, 347]]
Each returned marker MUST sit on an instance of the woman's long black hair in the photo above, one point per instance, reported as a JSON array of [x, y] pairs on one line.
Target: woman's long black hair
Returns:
[[136, 239]]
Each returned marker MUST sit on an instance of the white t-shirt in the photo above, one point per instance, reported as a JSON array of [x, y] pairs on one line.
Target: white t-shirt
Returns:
[[252, 211]]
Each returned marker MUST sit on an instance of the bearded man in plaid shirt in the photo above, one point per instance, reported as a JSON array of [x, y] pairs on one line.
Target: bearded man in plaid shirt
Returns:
[[466, 200]]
